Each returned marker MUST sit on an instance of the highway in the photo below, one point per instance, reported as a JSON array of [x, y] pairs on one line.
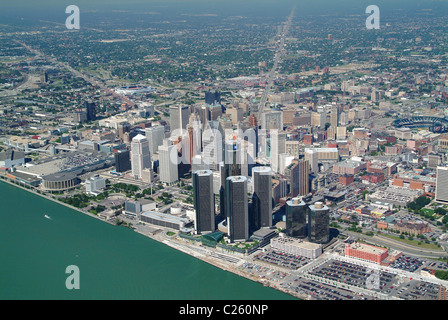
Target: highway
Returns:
[[277, 57], [397, 245]]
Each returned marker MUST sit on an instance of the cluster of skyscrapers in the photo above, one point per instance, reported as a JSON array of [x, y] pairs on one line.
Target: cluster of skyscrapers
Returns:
[[239, 215], [303, 221]]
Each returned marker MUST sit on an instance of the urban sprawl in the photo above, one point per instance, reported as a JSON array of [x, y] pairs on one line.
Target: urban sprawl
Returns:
[[296, 157]]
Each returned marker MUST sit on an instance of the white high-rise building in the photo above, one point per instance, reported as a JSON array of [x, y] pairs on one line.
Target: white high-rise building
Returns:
[[168, 162], [140, 155], [278, 146], [442, 185], [155, 136], [313, 159], [212, 145]]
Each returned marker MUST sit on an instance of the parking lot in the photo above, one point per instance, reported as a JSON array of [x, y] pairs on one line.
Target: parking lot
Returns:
[[321, 291], [437, 265], [407, 263], [354, 275], [419, 290], [283, 259]]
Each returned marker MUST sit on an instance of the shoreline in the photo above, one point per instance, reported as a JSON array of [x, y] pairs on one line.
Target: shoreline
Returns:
[[54, 200], [166, 241]]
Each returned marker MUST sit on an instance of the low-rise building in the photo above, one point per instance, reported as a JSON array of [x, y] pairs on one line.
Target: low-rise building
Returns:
[[366, 252], [296, 246]]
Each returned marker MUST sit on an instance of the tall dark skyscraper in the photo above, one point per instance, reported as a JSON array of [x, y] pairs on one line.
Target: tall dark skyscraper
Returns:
[[296, 212], [262, 197], [237, 208], [91, 110], [318, 223], [122, 161], [212, 97], [204, 200]]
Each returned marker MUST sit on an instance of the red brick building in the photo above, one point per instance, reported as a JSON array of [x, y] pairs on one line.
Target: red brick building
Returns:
[[308, 139], [346, 179], [366, 252]]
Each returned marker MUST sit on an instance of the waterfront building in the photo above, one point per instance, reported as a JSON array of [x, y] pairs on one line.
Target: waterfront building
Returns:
[[165, 220], [11, 158], [95, 185], [237, 210], [318, 223], [60, 181], [204, 201], [262, 197], [296, 213], [296, 247]]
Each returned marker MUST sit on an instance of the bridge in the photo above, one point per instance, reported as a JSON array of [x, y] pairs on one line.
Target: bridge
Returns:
[[434, 124]]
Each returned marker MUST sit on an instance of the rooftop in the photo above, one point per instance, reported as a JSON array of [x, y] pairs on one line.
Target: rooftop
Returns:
[[367, 248]]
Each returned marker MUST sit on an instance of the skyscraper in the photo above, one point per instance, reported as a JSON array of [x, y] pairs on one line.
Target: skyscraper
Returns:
[[155, 136], [318, 223], [212, 144], [296, 212], [237, 210], [442, 185], [168, 167], [298, 172], [122, 129], [277, 147], [91, 110], [204, 200], [212, 97], [233, 157], [334, 116], [262, 197], [179, 116], [140, 156], [313, 159], [122, 161]]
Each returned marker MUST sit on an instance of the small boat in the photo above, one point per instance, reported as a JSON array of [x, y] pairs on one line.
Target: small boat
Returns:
[[47, 216]]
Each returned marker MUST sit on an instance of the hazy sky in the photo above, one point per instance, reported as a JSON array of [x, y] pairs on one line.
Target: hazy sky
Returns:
[[32, 10]]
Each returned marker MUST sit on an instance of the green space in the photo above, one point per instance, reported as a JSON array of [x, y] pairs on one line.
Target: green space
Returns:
[[414, 243], [442, 274]]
